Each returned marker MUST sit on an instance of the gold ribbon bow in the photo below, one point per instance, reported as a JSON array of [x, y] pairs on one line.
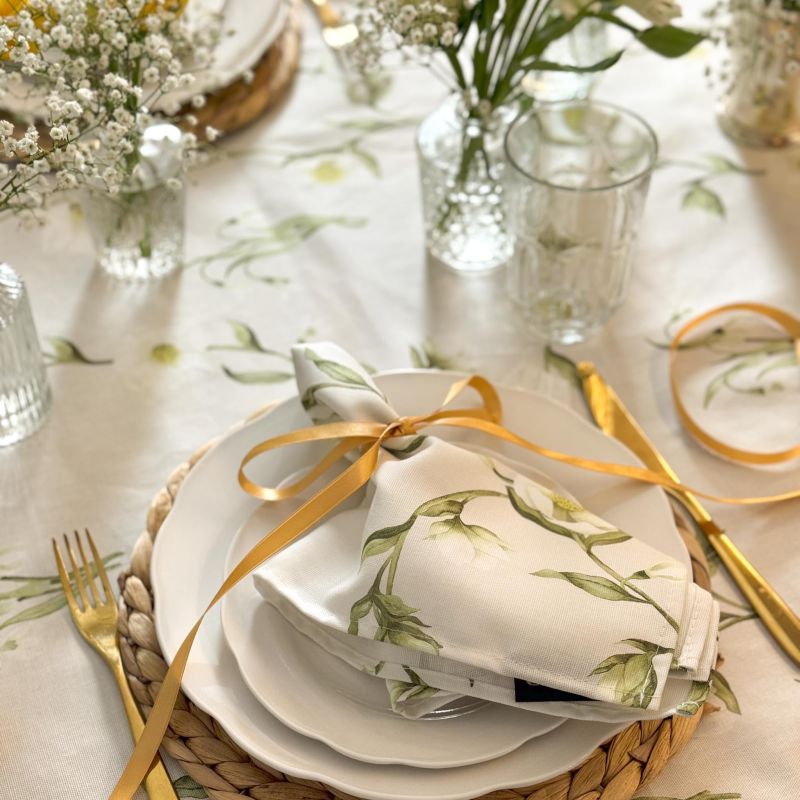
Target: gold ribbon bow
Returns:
[[368, 437]]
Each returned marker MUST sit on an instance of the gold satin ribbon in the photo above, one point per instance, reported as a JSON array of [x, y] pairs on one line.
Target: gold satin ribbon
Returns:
[[368, 437], [791, 325]]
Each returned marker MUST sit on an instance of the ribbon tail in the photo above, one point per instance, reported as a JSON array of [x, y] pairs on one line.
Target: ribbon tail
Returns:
[[623, 470], [342, 487]]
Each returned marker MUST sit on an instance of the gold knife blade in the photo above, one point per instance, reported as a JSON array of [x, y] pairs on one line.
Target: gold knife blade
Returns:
[[614, 419]]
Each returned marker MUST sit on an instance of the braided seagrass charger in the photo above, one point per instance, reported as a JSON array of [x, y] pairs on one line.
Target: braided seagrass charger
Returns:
[[614, 771]]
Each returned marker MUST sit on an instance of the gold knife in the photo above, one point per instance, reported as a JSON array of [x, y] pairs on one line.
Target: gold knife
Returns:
[[614, 419]]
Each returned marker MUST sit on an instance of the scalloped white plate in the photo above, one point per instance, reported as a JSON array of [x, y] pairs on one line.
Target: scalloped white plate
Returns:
[[189, 556]]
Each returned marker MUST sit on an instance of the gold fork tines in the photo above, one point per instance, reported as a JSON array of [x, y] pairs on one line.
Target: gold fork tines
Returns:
[[95, 617]]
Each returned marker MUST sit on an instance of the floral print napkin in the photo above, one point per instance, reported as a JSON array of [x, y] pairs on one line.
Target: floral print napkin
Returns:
[[465, 576]]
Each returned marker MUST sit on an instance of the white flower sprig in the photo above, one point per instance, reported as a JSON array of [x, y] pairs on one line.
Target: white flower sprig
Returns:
[[484, 48], [95, 68]]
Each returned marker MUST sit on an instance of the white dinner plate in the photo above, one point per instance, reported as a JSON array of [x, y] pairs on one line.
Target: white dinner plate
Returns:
[[319, 695], [190, 550]]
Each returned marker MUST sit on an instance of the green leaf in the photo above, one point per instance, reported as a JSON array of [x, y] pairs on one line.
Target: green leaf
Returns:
[[609, 537], [722, 689], [359, 610], [384, 539], [8, 645], [414, 638], [701, 197], [669, 41], [245, 335], [482, 539], [639, 682], [647, 647], [367, 159], [697, 696], [417, 360], [43, 609], [541, 65], [441, 507], [166, 354], [453, 503], [413, 445], [186, 786], [66, 352], [394, 605], [337, 372], [594, 585], [258, 376], [558, 363], [612, 661]]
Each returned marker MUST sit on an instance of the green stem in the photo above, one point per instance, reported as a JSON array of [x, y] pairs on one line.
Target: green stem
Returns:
[[614, 574], [394, 559]]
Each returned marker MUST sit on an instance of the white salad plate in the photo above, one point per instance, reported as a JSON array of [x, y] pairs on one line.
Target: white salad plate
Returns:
[[319, 695], [188, 565]]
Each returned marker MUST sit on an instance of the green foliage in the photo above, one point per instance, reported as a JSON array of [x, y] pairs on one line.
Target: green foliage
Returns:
[[594, 585], [722, 689], [186, 786], [66, 352], [669, 41]]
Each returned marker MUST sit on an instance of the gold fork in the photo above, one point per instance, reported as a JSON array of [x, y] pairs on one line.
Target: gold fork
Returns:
[[96, 619]]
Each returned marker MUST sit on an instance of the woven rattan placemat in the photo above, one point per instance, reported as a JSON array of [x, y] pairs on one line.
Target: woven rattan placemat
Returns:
[[614, 771]]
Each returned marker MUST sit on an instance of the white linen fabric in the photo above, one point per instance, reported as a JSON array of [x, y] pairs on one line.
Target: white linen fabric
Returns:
[[467, 575], [118, 429]]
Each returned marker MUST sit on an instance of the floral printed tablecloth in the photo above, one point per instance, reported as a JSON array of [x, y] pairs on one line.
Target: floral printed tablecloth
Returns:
[[308, 224]]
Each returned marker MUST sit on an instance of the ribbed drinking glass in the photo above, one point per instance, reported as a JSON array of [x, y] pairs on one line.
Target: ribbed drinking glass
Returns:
[[24, 391], [576, 177]]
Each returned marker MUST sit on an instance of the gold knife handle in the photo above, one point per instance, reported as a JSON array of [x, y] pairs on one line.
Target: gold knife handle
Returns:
[[157, 782], [778, 618], [613, 418]]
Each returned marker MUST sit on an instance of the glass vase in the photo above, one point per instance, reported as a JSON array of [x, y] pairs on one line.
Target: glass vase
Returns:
[[586, 44], [757, 74], [138, 234], [461, 163], [24, 391], [576, 182]]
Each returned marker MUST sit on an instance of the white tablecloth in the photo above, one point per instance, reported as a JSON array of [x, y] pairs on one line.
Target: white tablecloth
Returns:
[[332, 189]]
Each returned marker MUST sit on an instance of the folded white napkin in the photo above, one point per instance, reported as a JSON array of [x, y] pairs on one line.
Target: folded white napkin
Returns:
[[464, 576]]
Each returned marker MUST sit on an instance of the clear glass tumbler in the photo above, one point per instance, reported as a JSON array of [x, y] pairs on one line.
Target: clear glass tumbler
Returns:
[[576, 180], [24, 391]]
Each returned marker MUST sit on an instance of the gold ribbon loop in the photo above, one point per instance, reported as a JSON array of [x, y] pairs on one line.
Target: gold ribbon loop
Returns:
[[791, 325], [369, 438]]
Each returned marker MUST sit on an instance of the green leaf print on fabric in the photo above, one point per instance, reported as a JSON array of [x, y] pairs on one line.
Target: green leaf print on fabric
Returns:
[[340, 375], [427, 356], [592, 584], [63, 351], [697, 194], [412, 689], [631, 676], [186, 786], [697, 696], [749, 359], [397, 620], [722, 689], [247, 341], [18, 592], [249, 243]]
